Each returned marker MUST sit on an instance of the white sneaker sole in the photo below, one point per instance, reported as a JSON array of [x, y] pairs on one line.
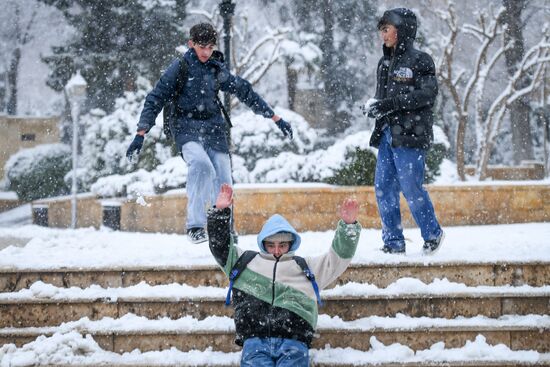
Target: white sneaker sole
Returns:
[[197, 241]]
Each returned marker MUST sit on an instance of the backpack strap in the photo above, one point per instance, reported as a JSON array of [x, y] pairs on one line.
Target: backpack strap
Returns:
[[305, 269], [236, 271], [172, 105], [182, 76]]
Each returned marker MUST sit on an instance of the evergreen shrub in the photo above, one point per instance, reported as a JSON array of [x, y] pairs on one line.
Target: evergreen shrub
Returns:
[[39, 172]]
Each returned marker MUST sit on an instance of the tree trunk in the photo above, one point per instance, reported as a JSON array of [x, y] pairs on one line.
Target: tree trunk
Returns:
[[522, 142], [327, 67], [12, 82], [3, 86], [291, 82]]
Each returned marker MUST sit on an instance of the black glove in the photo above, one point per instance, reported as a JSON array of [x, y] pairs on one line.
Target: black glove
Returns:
[[381, 108], [285, 128], [135, 146]]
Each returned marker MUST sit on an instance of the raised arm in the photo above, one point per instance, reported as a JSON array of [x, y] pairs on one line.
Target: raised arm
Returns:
[[219, 226], [329, 266]]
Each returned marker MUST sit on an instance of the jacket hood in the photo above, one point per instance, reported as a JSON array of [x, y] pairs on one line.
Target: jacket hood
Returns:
[[405, 21], [277, 224]]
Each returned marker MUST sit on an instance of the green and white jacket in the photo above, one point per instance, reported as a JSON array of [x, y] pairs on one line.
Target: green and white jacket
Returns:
[[272, 297]]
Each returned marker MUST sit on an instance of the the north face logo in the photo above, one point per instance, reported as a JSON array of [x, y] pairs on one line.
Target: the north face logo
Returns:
[[403, 74]]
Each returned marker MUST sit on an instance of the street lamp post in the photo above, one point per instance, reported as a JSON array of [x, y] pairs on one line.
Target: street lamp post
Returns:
[[76, 93], [227, 9]]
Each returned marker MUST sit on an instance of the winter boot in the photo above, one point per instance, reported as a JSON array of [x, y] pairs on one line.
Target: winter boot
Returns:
[[432, 246], [396, 248]]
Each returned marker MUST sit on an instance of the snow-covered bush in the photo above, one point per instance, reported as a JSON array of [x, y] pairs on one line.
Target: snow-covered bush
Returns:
[[259, 153], [106, 138], [255, 137], [39, 172], [438, 151], [170, 174], [321, 165]]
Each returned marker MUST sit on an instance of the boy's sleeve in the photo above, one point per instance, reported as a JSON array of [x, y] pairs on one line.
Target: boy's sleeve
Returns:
[[328, 267], [157, 98], [425, 86], [220, 240], [242, 89]]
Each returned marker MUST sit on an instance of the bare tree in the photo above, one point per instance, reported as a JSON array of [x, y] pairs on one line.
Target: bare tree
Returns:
[[21, 37], [486, 31], [245, 55], [522, 141]]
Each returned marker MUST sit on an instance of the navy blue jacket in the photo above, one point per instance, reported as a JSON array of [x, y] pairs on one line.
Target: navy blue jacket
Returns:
[[200, 118], [407, 76]]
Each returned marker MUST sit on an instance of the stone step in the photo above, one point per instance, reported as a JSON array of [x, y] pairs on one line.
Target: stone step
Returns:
[[515, 337], [544, 361], [19, 311], [471, 274]]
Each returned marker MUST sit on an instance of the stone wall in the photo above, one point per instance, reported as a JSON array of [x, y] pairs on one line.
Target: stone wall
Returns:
[[315, 208], [7, 204], [25, 132]]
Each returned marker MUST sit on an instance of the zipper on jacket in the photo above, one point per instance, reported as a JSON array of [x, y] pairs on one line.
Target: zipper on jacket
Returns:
[[272, 298], [273, 282]]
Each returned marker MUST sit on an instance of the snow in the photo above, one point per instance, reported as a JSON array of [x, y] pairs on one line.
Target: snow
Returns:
[[8, 195], [17, 216], [51, 248], [88, 248], [131, 323], [72, 347]]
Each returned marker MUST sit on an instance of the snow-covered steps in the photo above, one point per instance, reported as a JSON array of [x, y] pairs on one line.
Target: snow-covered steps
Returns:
[[46, 305], [381, 275], [133, 332], [74, 350]]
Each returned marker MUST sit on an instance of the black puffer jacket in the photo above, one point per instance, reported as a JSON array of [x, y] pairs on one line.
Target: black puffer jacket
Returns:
[[407, 76]]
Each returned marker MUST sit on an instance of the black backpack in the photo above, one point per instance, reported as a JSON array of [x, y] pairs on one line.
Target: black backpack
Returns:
[[247, 257], [170, 110]]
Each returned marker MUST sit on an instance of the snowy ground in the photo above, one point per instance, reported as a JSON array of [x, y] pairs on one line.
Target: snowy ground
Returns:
[[48, 248], [32, 247]]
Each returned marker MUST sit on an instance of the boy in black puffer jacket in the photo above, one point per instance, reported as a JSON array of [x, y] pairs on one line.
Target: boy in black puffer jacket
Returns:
[[405, 94]]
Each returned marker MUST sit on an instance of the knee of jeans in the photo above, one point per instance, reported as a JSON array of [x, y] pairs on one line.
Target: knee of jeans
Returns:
[[202, 167]]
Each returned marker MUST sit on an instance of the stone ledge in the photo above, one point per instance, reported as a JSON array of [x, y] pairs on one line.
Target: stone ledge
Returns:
[[315, 208], [471, 274], [39, 313], [515, 338]]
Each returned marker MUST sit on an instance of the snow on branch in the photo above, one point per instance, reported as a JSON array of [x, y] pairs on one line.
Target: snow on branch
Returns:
[[537, 56]]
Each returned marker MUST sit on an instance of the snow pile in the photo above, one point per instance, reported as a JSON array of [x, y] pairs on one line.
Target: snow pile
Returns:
[[71, 347], [477, 350]]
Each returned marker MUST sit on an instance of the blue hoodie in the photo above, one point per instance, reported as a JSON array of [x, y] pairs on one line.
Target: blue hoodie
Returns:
[[274, 225]]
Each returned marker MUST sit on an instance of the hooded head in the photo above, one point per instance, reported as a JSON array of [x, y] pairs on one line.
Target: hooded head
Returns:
[[405, 21], [278, 225]]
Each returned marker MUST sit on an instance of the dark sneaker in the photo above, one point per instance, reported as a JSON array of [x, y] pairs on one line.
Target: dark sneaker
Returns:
[[197, 235], [396, 249], [432, 246]]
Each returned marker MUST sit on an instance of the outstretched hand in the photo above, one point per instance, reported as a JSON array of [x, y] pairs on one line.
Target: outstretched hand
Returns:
[[225, 197], [285, 128], [349, 210]]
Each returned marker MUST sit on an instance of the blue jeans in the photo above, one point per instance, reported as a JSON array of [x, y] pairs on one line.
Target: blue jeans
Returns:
[[402, 169], [279, 352], [207, 170]]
